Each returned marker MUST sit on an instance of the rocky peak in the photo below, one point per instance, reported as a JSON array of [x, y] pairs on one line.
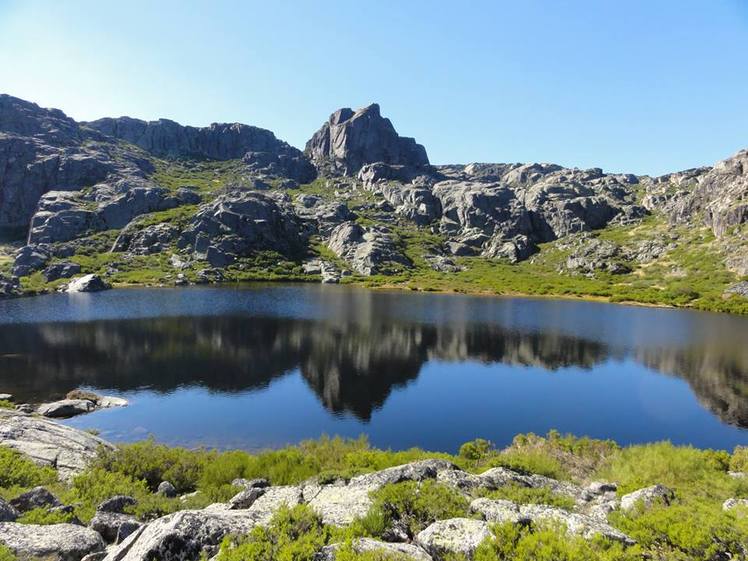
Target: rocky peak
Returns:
[[351, 139], [25, 118]]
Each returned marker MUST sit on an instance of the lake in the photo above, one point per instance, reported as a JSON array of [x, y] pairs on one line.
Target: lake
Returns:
[[266, 365]]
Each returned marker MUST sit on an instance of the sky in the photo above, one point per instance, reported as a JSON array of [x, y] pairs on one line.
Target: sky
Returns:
[[640, 86]]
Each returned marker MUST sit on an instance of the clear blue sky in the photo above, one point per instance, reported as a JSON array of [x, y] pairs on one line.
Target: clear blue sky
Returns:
[[646, 86]]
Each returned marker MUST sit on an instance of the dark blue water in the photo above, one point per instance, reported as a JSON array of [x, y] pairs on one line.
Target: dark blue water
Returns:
[[263, 366]]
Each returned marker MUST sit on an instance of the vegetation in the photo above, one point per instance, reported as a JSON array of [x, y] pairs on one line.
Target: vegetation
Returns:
[[6, 554], [693, 527]]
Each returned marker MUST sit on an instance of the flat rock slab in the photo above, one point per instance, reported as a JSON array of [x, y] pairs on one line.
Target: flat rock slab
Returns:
[[454, 536], [49, 443], [56, 542]]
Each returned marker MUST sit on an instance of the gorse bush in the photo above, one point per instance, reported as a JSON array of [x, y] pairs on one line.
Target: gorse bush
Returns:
[[18, 471], [739, 459], [413, 506], [522, 543], [293, 534], [476, 449], [43, 517]]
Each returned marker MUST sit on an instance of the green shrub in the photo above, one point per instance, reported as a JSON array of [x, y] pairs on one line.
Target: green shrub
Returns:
[[293, 534], [687, 470], [476, 449], [154, 463], [347, 553], [739, 459], [5, 404], [527, 495], [413, 504], [697, 530], [548, 543], [6, 554], [18, 471], [45, 517]]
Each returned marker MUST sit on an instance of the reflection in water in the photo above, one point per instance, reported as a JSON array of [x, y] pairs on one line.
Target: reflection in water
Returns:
[[351, 361]]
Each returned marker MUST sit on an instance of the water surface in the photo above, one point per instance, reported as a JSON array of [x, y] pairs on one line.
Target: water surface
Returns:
[[263, 366]]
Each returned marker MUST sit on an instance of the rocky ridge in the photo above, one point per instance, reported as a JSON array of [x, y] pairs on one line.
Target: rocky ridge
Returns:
[[68, 186]]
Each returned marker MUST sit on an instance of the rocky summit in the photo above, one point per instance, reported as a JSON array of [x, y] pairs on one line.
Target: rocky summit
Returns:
[[132, 201]]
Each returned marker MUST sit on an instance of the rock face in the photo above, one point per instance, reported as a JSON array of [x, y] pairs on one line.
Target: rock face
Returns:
[[350, 139], [48, 443], [56, 542], [367, 250], [223, 141], [241, 222]]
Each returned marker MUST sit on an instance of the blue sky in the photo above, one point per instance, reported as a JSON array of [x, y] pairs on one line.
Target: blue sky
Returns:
[[645, 86]]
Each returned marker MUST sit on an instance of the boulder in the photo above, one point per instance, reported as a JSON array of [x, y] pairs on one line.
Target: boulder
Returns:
[[737, 289], [9, 286], [55, 542], [366, 545], [49, 443], [87, 283], [369, 251], [109, 401], [66, 408], [8, 513], [114, 527], [138, 240], [456, 536], [30, 258], [38, 497], [61, 271], [246, 498], [117, 504], [339, 505], [187, 534], [239, 223], [351, 139], [166, 489], [647, 497], [414, 471]]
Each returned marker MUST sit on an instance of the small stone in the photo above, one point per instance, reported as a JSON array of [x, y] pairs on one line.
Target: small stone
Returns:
[[166, 489]]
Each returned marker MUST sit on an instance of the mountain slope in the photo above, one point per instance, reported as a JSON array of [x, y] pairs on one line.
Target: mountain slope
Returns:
[[158, 202]]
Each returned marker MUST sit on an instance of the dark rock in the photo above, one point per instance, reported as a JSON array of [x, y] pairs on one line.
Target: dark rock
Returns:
[[114, 527], [166, 489], [38, 497], [246, 498], [188, 196], [116, 504], [140, 240], [351, 139], [9, 287], [61, 271], [8, 513], [30, 258]]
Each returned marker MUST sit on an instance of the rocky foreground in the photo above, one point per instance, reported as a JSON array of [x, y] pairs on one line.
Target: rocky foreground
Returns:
[[115, 535], [102, 201]]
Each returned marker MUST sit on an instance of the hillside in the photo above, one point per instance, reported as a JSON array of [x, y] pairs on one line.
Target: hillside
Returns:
[[137, 202]]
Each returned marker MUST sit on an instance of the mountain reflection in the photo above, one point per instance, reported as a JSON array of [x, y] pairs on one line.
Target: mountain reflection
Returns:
[[351, 366]]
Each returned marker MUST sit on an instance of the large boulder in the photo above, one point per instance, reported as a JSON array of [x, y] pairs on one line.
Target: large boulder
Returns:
[[55, 542], [114, 527], [242, 222], [369, 251], [456, 536], [66, 408], [49, 443], [351, 139], [145, 240], [8, 513], [87, 283]]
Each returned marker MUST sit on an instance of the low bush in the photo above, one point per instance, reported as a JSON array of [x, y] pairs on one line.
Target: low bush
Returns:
[[6, 554], [739, 459], [293, 534], [522, 543], [18, 471], [413, 506], [43, 517], [5, 404], [527, 495]]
